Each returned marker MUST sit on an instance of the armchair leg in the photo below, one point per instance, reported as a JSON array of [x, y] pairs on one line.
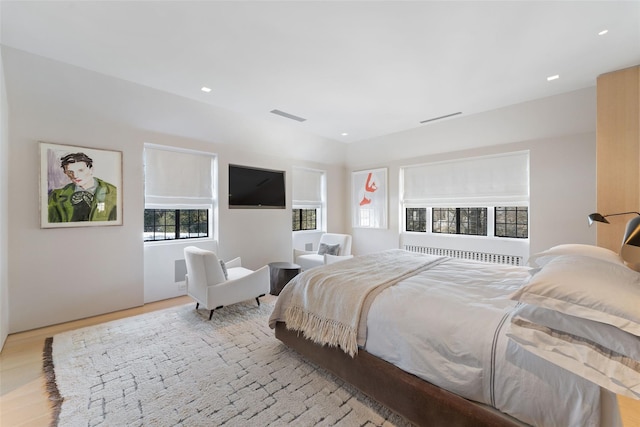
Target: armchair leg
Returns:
[[197, 305], [212, 310]]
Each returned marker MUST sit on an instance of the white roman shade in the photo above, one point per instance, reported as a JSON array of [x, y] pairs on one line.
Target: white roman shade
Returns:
[[177, 178], [307, 187], [493, 179]]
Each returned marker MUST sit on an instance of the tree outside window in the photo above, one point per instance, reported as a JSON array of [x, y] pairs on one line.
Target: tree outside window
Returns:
[[172, 224], [304, 219], [469, 221]]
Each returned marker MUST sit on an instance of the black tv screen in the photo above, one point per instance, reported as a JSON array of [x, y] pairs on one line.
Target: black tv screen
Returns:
[[256, 188]]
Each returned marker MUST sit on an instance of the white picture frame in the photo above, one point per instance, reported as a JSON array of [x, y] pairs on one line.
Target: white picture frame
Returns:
[[65, 171], [369, 198]]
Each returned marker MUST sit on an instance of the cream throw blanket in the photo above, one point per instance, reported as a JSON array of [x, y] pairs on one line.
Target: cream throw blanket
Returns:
[[330, 304]]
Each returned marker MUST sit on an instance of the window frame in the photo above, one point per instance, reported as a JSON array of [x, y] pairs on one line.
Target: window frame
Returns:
[[317, 213], [488, 181], [177, 225], [459, 224], [506, 223], [490, 220], [426, 221], [183, 202], [306, 200]]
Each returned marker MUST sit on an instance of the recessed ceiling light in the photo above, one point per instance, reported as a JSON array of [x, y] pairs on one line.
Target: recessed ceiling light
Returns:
[[603, 32], [556, 77], [344, 134], [205, 89]]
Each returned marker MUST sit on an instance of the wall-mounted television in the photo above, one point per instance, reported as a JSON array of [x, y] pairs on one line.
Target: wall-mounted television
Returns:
[[251, 187]]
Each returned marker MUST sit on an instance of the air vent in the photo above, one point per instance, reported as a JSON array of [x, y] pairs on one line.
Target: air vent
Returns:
[[288, 116], [441, 117], [472, 255]]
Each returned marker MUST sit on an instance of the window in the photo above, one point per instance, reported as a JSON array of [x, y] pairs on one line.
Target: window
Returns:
[[309, 195], [170, 224], [416, 219], [470, 221], [179, 194], [305, 219], [431, 193], [512, 222]]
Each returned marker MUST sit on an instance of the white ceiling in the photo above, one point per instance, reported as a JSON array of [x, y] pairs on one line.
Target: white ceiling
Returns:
[[367, 68]]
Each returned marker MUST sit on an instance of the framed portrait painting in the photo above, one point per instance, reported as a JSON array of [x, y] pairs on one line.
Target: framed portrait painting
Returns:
[[369, 198], [79, 186]]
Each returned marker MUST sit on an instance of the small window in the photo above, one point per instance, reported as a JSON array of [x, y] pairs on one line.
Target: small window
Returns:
[[171, 224], [469, 221], [512, 221], [416, 219], [305, 219]]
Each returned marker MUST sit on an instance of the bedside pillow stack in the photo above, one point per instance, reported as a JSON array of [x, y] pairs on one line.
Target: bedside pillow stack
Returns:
[[581, 311]]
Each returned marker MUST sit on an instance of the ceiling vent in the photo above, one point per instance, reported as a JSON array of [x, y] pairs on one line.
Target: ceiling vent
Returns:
[[288, 116], [441, 117]]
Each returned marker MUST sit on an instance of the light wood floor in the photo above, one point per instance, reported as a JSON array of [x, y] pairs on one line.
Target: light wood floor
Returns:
[[23, 399]]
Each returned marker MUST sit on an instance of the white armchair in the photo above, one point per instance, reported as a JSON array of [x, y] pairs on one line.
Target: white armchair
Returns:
[[327, 246], [208, 286]]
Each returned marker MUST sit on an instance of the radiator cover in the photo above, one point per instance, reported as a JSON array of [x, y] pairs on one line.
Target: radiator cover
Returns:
[[472, 255]]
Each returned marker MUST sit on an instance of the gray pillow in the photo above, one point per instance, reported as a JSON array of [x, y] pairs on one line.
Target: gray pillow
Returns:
[[328, 249], [224, 270]]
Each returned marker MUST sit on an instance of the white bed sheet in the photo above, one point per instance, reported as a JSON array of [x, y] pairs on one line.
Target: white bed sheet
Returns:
[[447, 324]]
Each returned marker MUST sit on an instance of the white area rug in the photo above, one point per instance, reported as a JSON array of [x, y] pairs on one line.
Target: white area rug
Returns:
[[175, 368]]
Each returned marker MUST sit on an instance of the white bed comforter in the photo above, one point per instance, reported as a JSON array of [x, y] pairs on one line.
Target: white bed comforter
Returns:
[[446, 325]]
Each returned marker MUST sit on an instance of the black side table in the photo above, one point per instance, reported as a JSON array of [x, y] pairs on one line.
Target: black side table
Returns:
[[281, 273]]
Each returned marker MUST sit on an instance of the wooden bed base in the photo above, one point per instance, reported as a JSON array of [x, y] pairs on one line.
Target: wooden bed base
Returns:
[[416, 400]]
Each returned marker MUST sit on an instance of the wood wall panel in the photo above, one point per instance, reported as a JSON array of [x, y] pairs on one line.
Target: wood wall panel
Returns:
[[618, 152]]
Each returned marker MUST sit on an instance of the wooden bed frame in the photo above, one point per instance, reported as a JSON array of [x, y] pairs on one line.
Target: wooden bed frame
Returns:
[[416, 400]]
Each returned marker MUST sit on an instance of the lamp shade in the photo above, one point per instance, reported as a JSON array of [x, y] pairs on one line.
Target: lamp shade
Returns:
[[630, 250], [596, 217]]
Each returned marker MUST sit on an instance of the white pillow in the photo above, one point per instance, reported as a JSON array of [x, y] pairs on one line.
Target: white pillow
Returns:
[[541, 258], [589, 288], [598, 352]]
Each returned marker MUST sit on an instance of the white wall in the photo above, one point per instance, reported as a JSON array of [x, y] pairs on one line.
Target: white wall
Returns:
[[57, 275], [160, 259], [559, 131], [62, 274], [258, 236], [4, 203]]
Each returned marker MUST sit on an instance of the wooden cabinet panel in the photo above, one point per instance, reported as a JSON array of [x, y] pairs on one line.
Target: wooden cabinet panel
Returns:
[[618, 151]]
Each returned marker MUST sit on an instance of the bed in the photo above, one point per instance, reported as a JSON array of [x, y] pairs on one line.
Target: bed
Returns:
[[444, 341]]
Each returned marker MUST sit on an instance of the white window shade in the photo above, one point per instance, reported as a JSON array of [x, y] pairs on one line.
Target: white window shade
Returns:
[[307, 187], [177, 178], [495, 179]]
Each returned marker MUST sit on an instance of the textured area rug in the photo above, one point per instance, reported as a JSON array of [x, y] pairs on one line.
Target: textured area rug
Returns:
[[176, 368]]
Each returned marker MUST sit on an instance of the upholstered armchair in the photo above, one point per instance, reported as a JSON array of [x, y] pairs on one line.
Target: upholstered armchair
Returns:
[[331, 244], [214, 284]]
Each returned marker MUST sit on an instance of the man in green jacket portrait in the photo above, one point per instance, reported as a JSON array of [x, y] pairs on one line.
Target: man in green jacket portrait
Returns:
[[86, 198]]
